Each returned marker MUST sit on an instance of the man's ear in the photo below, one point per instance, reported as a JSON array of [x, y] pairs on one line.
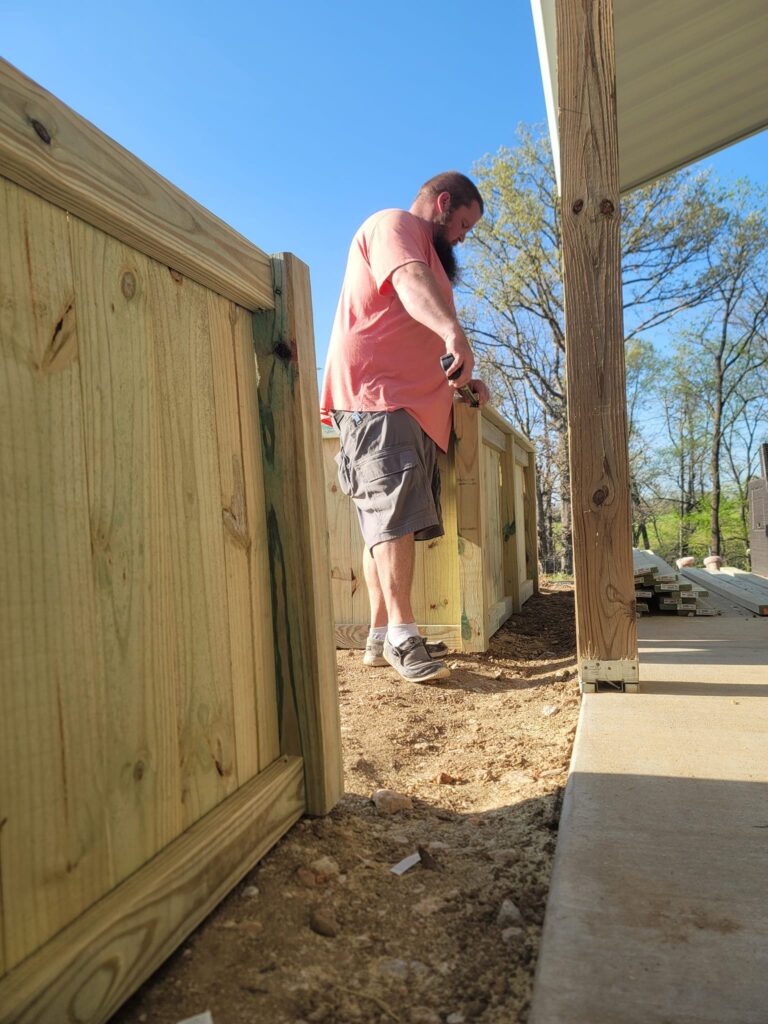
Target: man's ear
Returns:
[[444, 202]]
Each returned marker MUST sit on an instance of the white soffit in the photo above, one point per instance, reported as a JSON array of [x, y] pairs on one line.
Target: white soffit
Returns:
[[691, 78]]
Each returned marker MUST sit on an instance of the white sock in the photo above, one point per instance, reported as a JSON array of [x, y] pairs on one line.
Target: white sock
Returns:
[[399, 633], [377, 633]]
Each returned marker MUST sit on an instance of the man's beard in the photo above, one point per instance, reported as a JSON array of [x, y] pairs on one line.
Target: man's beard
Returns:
[[445, 253]]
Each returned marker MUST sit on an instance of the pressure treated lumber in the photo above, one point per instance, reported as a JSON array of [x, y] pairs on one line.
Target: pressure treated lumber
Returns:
[[606, 631], [668, 591], [759, 583], [726, 586], [55, 153], [95, 963], [297, 538], [470, 486]]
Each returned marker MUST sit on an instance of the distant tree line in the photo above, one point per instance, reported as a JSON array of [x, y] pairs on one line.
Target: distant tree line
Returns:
[[695, 282]]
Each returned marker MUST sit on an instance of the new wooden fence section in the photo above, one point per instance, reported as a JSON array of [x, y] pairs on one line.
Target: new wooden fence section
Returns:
[[167, 674], [468, 582]]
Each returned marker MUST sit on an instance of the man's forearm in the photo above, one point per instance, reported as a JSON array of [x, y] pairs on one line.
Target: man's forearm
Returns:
[[417, 289], [419, 293]]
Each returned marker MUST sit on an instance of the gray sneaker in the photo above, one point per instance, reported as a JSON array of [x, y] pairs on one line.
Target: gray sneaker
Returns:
[[413, 662], [374, 652]]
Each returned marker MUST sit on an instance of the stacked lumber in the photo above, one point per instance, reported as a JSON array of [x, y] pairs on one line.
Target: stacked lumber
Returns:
[[660, 589], [746, 589]]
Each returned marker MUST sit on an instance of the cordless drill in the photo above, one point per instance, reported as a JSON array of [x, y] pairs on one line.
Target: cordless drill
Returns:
[[465, 389]]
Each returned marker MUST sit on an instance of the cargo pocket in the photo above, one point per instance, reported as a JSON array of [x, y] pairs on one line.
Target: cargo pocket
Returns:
[[394, 483]]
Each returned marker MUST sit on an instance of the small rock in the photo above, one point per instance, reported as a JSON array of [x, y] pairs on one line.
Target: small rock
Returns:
[[251, 892], [509, 914], [389, 802], [393, 967], [564, 673], [427, 860], [512, 934], [446, 779], [454, 665], [550, 709], [455, 1018], [229, 924], [429, 905], [306, 877], [423, 1015], [322, 920], [325, 869], [498, 674]]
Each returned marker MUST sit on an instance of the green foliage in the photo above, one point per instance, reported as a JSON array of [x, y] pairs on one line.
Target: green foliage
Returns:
[[665, 531]]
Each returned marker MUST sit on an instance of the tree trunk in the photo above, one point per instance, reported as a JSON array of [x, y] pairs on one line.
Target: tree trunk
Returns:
[[714, 518]]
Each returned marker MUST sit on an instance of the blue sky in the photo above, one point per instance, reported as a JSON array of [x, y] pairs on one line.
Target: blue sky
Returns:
[[292, 122]]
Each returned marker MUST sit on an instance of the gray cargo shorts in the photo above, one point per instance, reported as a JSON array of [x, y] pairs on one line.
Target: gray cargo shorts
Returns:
[[388, 467]]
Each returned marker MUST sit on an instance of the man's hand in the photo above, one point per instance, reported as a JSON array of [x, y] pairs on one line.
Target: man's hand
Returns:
[[463, 356], [479, 389]]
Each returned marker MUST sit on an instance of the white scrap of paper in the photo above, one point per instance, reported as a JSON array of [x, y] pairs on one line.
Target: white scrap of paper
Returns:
[[405, 864], [199, 1018]]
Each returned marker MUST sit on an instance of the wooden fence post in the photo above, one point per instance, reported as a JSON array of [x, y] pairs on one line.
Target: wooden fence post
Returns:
[[467, 428], [531, 523], [297, 534], [597, 423]]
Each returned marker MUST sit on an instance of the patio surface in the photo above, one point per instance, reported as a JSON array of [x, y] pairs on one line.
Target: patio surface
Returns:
[[658, 909]]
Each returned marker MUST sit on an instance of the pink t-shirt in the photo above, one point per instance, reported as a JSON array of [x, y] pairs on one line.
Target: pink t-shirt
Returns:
[[380, 358]]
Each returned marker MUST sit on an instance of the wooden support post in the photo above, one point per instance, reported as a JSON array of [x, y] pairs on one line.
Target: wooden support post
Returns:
[[510, 525], [531, 526], [297, 534], [597, 423], [467, 428]]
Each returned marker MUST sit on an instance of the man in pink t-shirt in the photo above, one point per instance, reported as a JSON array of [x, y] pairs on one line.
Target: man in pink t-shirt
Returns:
[[391, 399]]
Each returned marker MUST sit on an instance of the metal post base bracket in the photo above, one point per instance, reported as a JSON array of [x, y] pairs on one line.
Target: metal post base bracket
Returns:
[[609, 676]]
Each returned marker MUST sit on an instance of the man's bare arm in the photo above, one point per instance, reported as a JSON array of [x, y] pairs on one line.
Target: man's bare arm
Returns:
[[419, 293]]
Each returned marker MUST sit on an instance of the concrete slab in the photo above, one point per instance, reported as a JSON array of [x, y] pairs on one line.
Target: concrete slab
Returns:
[[658, 909]]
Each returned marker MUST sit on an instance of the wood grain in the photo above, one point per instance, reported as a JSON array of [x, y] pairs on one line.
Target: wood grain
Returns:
[[91, 967], [129, 555], [605, 615], [49, 149], [493, 540], [262, 632], [55, 859], [297, 536], [470, 490], [531, 524]]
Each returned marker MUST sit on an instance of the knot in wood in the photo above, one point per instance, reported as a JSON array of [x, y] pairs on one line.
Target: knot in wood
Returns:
[[138, 771], [128, 284], [606, 207], [283, 351], [41, 131], [578, 206], [600, 495]]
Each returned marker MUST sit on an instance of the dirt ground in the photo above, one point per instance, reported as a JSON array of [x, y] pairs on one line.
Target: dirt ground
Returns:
[[323, 931]]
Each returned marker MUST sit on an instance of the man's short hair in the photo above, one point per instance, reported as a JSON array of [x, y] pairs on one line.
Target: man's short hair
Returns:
[[463, 191]]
